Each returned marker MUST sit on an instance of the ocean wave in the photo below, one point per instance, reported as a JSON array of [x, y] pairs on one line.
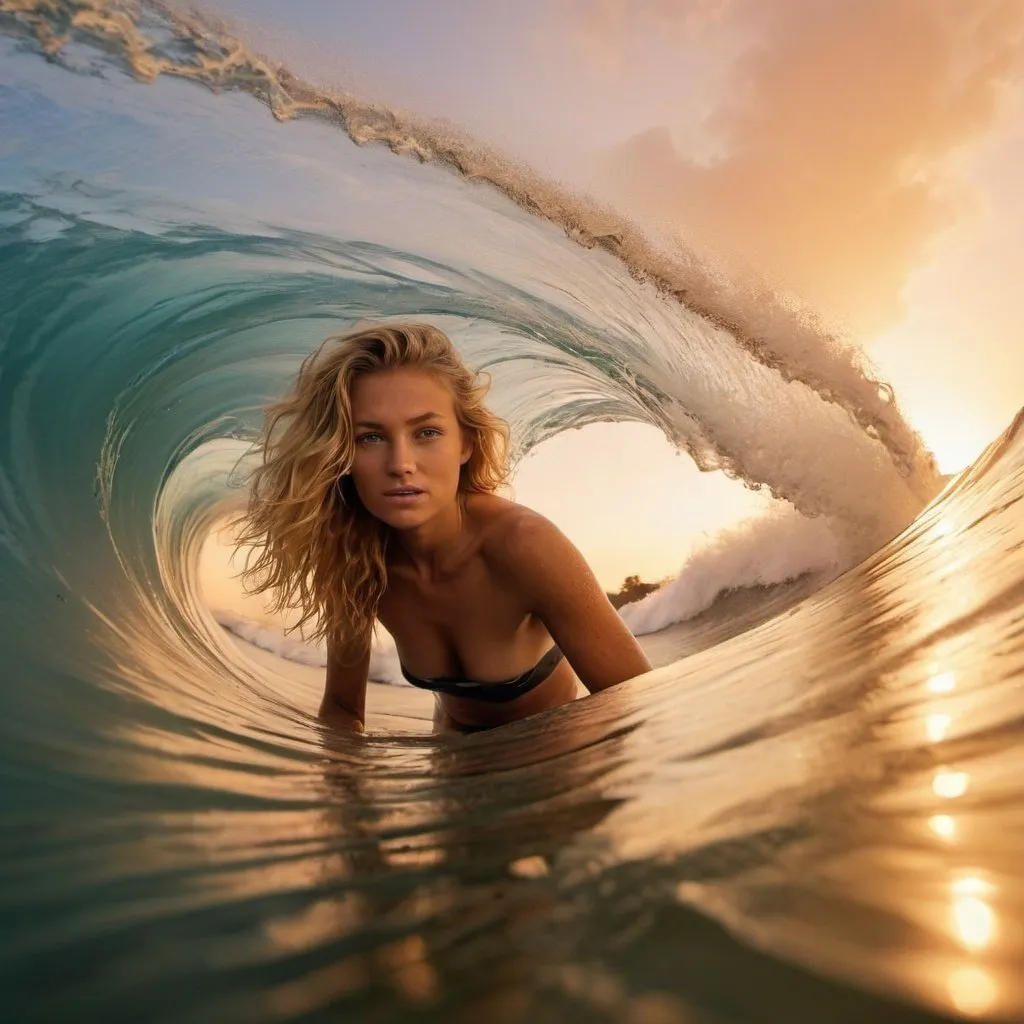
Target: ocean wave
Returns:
[[384, 664], [761, 552], [836, 786], [173, 285], [758, 326]]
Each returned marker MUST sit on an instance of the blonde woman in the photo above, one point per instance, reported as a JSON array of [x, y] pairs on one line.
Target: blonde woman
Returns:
[[376, 500]]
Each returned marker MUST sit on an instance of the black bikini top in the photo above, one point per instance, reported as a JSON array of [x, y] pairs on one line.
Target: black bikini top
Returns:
[[494, 693]]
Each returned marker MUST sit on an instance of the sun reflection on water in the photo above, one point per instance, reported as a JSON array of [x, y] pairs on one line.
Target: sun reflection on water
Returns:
[[972, 990], [942, 682], [936, 727], [950, 784], [943, 825], [974, 922]]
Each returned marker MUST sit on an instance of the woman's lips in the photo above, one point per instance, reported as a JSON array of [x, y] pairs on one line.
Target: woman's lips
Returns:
[[404, 499]]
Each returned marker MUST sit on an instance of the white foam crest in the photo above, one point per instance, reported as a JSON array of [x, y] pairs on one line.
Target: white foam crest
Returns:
[[384, 665], [779, 546]]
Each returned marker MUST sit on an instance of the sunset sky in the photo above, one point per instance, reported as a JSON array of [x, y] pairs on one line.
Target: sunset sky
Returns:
[[866, 156]]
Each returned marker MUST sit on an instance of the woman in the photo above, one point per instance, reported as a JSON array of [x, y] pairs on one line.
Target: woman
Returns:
[[376, 500]]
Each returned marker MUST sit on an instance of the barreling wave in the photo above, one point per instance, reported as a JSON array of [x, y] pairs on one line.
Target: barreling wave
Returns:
[[836, 787], [182, 292], [153, 40]]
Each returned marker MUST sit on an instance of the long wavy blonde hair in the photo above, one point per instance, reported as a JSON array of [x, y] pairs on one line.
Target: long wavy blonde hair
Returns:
[[313, 545]]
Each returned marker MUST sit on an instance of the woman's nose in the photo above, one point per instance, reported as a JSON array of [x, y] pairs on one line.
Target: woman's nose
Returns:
[[400, 460]]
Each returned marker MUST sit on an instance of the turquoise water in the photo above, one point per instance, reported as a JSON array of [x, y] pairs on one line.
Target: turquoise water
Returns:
[[816, 820]]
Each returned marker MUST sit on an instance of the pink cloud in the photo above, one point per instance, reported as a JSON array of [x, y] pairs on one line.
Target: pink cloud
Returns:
[[838, 134]]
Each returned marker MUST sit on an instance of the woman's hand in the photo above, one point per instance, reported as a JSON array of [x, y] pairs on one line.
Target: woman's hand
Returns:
[[338, 717]]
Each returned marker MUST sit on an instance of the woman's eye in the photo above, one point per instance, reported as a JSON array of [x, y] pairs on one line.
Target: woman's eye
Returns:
[[367, 437], [430, 432]]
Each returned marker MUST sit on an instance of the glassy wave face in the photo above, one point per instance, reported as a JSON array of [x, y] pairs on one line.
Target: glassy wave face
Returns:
[[818, 819]]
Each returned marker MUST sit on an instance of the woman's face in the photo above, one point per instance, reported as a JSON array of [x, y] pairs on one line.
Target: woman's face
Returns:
[[409, 446]]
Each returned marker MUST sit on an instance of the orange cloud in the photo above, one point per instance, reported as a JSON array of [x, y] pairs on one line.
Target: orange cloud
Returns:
[[836, 137], [599, 27]]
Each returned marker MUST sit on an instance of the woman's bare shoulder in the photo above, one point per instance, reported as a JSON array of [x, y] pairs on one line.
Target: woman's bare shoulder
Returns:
[[511, 532], [496, 518]]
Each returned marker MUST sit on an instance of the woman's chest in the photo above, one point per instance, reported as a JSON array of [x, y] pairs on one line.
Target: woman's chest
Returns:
[[464, 613]]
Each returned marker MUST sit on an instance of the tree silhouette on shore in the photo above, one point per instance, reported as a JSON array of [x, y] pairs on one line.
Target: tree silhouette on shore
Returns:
[[632, 589]]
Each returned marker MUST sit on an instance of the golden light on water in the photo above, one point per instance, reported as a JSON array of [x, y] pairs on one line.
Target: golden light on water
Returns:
[[942, 682], [972, 885], [974, 920], [972, 990], [949, 784], [943, 825], [937, 726]]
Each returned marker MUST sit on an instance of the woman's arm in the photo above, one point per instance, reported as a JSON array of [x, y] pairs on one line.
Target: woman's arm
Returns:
[[560, 588], [344, 702]]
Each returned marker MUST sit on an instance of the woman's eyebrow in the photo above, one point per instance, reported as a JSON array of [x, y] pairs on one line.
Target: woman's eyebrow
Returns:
[[409, 423]]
